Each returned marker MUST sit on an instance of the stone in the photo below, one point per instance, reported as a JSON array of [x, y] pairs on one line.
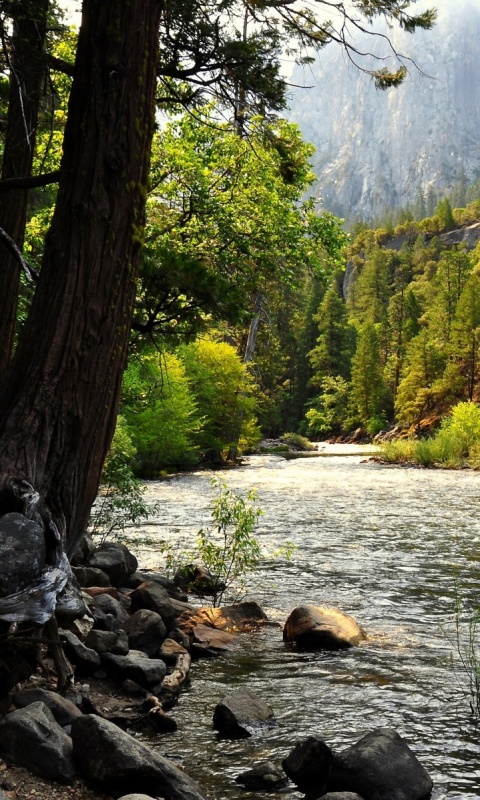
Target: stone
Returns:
[[108, 613], [134, 797], [108, 642], [118, 763], [308, 765], [316, 628], [380, 766], [91, 576], [83, 550], [24, 541], [264, 777], [154, 597], [86, 660], [136, 580], [31, 738], [136, 666], [170, 650], [242, 713], [341, 796], [63, 710], [146, 631], [116, 560]]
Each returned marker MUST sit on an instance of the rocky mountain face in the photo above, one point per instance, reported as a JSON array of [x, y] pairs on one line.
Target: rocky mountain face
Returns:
[[376, 149]]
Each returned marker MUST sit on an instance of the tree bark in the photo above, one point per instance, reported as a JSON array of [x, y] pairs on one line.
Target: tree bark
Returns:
[[27, 73], [60, 397]]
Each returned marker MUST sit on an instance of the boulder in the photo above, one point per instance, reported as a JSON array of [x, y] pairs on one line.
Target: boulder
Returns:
[[91, 576], [380, 766], [264, 777], [108, 613], [83, 550], [341, 796], [308, 765], [31, 738], [317, 628], [155, 598], [63, 710], [118, 763], [242, 713], [116, 560], [86, 660], [134, 797], [146, 631], [136, 580], [170, 650], [108, 642], [136, 666], [24, 541], [237, 618]]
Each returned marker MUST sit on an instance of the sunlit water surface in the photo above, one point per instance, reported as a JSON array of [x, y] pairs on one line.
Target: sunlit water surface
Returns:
[[387, 545]]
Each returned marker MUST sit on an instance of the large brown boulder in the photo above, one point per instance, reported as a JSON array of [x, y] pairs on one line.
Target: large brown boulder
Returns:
[[318, 628]]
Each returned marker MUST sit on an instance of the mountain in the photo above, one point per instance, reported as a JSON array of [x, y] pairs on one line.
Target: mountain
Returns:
[[379, 149]]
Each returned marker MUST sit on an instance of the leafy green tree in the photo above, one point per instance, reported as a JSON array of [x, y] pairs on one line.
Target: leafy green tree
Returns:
[[424, 364], [223, 391], [444, 214], [161, 413], [465, 340], [336, 341], [329, 410]]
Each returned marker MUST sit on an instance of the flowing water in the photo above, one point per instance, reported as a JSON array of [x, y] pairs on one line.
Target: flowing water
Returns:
[[385, 544]]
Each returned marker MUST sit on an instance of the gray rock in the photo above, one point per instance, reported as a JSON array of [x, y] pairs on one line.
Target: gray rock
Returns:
[[136, 666], [242, 713], [308, 765], [341, 796], [134, 797], [380, 766], [30, 738], [116, 560], [83, 550], [146, 631], [84, 658], [108, 642], [314, 627], [91, 576], [116, 762], [173, 590], [264, 777], [156, 598], [24, 542], [63, 710], [109, 614]]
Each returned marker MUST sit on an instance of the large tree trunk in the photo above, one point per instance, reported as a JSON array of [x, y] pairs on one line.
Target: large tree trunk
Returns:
[[27, 75], [60, 397]]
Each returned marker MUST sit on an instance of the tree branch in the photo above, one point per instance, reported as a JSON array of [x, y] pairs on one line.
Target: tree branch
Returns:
[[30, 181], [30, 273]]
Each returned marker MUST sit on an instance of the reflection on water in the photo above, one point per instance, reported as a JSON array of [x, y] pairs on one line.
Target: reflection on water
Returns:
[[384, 544]]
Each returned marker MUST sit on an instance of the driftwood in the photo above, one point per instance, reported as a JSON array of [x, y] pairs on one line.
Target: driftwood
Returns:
[[172, 684]]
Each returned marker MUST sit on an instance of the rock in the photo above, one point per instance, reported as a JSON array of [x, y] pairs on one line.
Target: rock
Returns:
[[265, 777], [341, 796], [146, 631], [237, 618], [135, 580], [116, 560], [91, 576], [116, 762], [198, 579], [82, 626], [30, 738], [136, 666], [155, 598], [134, 797], [212, 639], [313, 627], [62, 709], [83, 550], [380, 766], [84, 658], [24, 542], [108, 642], [308, 765], [170, 650], [242, 713], [133, 689], [108, 613]]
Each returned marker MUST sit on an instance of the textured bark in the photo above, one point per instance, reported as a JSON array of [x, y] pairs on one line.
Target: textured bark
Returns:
[[27, 74], [60, 396]]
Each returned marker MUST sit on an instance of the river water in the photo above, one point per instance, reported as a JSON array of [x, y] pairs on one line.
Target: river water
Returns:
[[388, 545]]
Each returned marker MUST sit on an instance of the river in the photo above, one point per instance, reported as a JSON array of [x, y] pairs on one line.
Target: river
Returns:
[[388, 545]]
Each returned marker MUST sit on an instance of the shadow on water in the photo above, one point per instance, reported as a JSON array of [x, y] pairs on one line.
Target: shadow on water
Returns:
[[383, 544]]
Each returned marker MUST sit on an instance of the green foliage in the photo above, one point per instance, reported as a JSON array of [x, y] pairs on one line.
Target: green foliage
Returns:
[[223, 392], [120, 502], [161, 412], [367, 388], [297, 442], [230, 550], [329, 410]]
